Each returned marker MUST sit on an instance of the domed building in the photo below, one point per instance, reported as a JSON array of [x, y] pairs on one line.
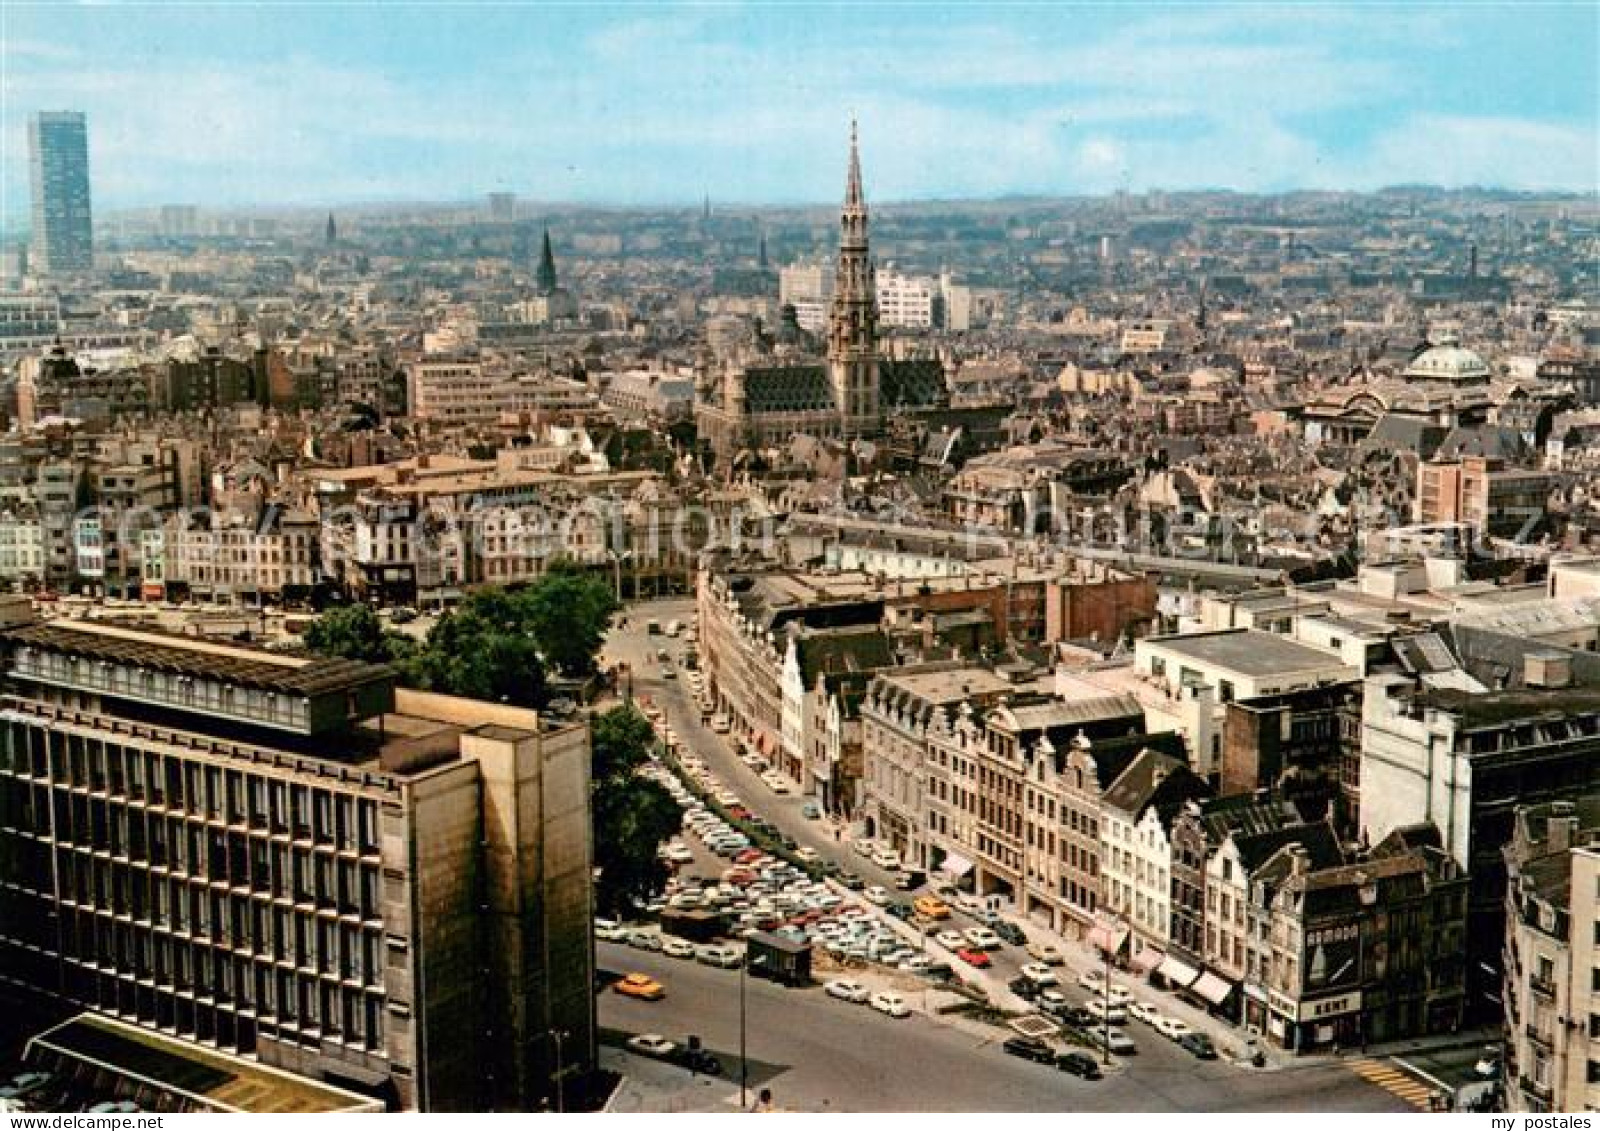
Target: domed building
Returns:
[[1447, 362]]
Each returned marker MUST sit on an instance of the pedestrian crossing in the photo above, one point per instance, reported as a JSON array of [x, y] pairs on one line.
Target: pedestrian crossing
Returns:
[[1394, 1081]]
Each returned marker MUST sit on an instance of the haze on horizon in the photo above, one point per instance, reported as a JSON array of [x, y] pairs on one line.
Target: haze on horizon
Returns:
[[282, 105]]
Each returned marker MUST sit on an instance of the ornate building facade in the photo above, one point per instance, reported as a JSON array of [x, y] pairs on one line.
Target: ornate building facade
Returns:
[[764, 395]]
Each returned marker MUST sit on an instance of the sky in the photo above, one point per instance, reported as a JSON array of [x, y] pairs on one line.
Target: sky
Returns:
[[633, 103]]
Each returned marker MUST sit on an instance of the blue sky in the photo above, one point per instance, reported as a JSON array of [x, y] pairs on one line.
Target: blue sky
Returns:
[[644, 103]]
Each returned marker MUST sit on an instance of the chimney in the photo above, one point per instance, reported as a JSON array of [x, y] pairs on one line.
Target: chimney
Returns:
[[1559, 828], [1299, 860], [1547, 670]]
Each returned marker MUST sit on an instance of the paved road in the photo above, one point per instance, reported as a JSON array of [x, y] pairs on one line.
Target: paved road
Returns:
[[933, 1057], [818, 1054]]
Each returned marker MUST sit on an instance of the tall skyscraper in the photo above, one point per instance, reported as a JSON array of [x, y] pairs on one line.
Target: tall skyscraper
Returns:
[[853, 318], [58, 150]]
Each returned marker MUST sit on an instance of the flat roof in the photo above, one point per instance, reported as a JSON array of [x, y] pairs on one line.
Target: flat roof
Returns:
[[181, 655], [1248, 651], [202, 1077]]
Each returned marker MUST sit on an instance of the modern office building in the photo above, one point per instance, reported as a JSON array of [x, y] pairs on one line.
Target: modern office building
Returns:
[[58, 154], [291, 860]]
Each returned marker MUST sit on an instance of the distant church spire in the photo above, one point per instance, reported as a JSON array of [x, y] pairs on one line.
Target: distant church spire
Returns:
[[761, 252], [332, 231], [852, 189], [545, 278], [853, 317]]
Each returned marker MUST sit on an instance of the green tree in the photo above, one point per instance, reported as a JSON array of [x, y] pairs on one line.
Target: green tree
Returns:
[[632, 815], [354, 632], [475, 654], [569, 612]]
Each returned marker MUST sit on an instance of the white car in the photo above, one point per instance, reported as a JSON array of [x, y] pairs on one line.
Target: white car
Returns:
[[727, 957], [1039, 974], [674, 947], [864, 847], [982, 938], [950, 940], [608, 930], [807, 854], [846, 990], [1118, 995], [1092, 980], [1144, 1011], [876, 894], [890, 1004], [1100, 1011], [886, 858], [652, 1044], [1172, 1028], [1048, 953]]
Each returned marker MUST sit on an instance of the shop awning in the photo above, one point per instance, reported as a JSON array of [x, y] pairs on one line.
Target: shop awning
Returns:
[[1109, 939], [1177, 971], [956, 864], [764, 744], [1147, 959], [1212, 988]]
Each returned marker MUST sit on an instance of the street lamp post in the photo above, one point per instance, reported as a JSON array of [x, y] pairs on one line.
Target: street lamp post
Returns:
[[744, 1059], [1105, 1009], [560, 1074]]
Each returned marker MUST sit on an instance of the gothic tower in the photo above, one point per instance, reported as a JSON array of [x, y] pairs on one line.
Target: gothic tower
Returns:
[[545, 277], [853, 317]]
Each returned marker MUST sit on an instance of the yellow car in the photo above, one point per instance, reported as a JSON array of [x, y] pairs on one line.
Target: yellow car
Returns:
[[641, 986], [930, 908]]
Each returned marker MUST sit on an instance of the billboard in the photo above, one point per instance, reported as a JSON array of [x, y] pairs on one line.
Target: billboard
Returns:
[[1333, 957]]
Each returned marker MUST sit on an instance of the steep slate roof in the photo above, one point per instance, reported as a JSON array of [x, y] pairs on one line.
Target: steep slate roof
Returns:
[[853, 649], [1154, 780], [913, 382], [787, 388]]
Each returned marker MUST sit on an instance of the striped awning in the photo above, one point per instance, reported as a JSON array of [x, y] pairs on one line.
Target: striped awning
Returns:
[[1147, 959], [1212, 988], [1177, 971], [956, 864], [1108, 938]]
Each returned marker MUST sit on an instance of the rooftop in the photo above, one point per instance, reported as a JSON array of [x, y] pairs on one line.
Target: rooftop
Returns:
[[183, 655], [1245, 651], [195, 1078]]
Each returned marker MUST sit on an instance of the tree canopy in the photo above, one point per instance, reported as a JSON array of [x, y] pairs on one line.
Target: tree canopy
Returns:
[[632, 815], [354, 632]]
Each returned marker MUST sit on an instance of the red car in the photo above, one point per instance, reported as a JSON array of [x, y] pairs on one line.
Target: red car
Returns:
[[972, 957], [748, 855]]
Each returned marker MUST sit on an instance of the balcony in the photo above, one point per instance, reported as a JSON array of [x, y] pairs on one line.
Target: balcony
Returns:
[[1539, 1037], [1535, 1089], [1544, 987]]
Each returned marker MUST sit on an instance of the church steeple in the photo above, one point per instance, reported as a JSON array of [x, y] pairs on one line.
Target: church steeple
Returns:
[[545, 277], [853, 317], [331, 232]]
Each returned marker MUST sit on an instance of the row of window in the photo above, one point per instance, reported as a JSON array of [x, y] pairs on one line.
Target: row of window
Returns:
[[199, 789]]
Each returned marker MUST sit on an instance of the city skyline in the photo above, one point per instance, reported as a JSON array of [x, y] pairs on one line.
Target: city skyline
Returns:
[[281, 105]]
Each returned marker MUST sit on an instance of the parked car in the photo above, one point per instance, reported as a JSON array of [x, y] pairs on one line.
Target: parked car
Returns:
[[910, 880], [1116, 1041], [1029, 1048], [1144, 1011], [641, 986], [1025, 988], [1048, 953], [652, 1044], [811, 811], [608, 930], [1199, 1045], [1106, 1014], [890, 1004], [982, 938], [726, 956], [886, 858], [1093, 981], [876, 894], [846, 990], [1039, 974], [677, 948], [931, 907], [1172, 1028], [950, 940], [978, 958], [701, 1061], [1078, 1064], [1011, 933]]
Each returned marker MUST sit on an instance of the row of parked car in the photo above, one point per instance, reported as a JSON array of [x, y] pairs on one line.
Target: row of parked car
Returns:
[[33, 1091]]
